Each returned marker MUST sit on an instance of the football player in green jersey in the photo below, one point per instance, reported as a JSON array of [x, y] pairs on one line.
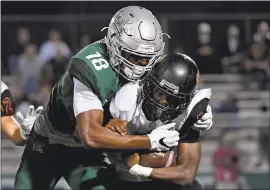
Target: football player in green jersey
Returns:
[[68, 139]]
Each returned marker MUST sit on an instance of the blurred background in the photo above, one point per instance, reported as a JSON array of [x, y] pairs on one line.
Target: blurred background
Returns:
[[229, 41]]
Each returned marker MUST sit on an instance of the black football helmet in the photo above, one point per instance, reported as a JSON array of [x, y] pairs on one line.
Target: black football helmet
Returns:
[[169, 87]]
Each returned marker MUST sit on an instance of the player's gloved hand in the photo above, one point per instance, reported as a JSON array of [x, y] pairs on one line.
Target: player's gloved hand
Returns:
[[163, 137], [205, 122], [28, 122], [117, 125]]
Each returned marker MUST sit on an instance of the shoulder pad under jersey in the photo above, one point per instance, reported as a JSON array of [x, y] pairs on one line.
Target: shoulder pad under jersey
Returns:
[[124, 104], [127, 96]]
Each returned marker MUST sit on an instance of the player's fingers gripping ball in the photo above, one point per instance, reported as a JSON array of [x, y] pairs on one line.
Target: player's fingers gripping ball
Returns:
[[117, 125]]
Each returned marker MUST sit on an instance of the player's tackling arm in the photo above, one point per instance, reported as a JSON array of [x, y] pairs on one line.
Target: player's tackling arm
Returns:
[[94, 135], [89, 116]]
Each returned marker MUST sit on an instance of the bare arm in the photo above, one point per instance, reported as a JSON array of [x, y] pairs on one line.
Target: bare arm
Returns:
[[189, 151], [184, 173], [12, 130], [94, 135], [89, 114], [8, 124], [88, 111]]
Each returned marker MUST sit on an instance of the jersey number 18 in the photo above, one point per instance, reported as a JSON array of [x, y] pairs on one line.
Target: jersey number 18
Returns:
[[97, 61]]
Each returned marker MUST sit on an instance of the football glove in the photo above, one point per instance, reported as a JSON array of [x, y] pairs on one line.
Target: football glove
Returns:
[[27, 123], [164, 137]]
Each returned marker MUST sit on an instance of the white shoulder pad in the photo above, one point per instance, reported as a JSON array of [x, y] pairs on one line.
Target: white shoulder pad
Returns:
[[124, 104], [3, 86], [199, 95], [126, 97]]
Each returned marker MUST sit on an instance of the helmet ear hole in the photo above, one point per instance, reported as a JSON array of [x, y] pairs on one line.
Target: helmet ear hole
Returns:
[[113, 35]]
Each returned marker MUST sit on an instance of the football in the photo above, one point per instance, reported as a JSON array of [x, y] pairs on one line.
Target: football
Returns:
[[159, 159]]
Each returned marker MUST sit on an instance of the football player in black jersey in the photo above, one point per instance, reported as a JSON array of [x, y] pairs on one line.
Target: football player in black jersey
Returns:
[[168, 95]]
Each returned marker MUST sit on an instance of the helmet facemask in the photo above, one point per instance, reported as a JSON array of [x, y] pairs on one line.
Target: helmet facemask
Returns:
[[131, 64], [161, 102]]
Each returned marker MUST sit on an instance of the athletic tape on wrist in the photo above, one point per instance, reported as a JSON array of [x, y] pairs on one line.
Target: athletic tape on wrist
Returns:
[[139, 170]]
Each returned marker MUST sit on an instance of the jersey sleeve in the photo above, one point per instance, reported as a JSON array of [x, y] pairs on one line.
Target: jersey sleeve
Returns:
[[91, 67], [187, 134], [194, 112], [80, 71], [7, 102], [191, 137], [84, 99]]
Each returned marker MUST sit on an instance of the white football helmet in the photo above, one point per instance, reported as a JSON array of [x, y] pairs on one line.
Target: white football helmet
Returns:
[[134, 41]]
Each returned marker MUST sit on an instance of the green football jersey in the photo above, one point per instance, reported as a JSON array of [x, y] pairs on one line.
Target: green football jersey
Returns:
[[91, 67]]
